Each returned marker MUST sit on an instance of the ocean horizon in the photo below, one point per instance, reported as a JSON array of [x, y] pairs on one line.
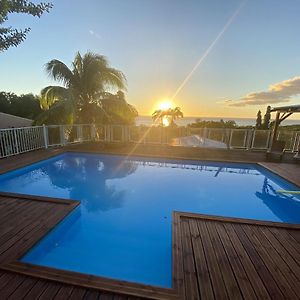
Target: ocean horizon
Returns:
[[147, 121]]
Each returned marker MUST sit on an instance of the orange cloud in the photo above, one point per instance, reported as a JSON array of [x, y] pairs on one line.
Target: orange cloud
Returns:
[[277, 93]]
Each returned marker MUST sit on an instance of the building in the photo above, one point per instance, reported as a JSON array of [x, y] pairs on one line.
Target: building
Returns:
[[9, 121]]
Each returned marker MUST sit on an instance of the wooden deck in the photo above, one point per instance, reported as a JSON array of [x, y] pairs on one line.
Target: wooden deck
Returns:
[[23, 221], [226, 258], [213, 258], [290, 172]]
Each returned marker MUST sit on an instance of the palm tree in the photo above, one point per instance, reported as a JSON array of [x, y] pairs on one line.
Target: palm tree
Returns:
[[117, 110], [170, 114], [82, 96], [174, 114], [158, 115]]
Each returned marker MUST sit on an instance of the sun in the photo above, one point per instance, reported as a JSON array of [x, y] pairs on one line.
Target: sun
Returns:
[[165, 105]]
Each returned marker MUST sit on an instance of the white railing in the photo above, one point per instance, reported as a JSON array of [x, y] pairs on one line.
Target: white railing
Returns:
[[19, 140]]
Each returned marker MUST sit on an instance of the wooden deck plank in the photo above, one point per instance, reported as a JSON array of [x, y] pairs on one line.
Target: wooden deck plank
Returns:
[[51, 291], [19, 242], [23, 288], [253, 276], [213, 267], [35, 291], [92, 295], [296, 235], [276, 266], [64, 292], [9, 230], [11, 287], [106, 296], [287, 239], [190, 278], [6, 278], [12, 210], [24, 212], [259, 264], [237, 266], [177, 260], [78, 293], [204, 282], [290, 260], [230, 282]]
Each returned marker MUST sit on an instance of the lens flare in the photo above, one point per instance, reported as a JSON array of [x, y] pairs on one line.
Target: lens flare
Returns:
[[208, 50]]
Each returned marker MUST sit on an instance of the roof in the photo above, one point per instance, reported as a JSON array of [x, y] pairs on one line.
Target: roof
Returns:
[[290, 108], [7, 121]]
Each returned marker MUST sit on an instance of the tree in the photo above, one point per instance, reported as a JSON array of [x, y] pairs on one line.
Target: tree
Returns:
[[258, 120], [82, 98], [9, 36], [267, 118], [25, 106], [115, 110], [158, 115], [169, 116], [174, 113], [213, 124]]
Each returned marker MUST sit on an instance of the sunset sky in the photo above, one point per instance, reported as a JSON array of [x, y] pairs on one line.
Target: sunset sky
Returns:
[[244, 54]]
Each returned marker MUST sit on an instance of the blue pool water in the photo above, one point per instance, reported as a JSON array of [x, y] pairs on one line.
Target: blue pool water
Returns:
[[122, 229]]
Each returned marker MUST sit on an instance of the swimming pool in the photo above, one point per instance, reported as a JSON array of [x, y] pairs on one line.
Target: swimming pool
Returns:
[[122, 229]]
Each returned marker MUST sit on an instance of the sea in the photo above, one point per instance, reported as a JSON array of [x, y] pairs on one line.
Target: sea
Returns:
[[147, 121]]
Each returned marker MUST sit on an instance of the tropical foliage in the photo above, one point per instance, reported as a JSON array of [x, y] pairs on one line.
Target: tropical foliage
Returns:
[[213, 124], [167, 117], [82, 96], [25, 106], [115, 109], [9, 36]]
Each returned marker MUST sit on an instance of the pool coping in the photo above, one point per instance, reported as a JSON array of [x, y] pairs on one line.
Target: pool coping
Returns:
[[120, 286]]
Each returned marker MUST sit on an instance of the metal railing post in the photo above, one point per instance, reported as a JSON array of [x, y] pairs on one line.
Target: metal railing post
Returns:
[[45, 135], [230, 139], [93, 132], [61, 135], [16, 141]]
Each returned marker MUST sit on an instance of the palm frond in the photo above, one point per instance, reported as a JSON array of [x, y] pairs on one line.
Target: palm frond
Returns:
[[61, 112], [59, 72], [113, 78], [77, 63], [52, 94]]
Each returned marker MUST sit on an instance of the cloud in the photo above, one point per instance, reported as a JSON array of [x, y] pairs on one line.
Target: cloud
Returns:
[[277, 93], [225, 101], [95, 34]]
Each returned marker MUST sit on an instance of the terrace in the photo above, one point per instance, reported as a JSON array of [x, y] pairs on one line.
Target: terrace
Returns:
[[213, 257]]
